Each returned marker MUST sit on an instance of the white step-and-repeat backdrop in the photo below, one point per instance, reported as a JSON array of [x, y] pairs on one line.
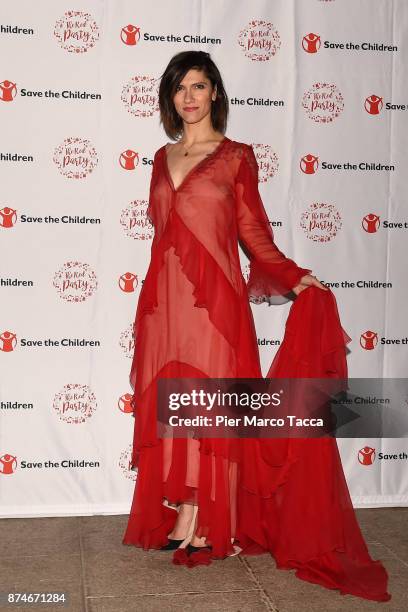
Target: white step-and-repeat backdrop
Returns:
[[317, 87]]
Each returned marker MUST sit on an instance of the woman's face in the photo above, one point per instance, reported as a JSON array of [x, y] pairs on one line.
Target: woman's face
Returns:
[[193, 97]]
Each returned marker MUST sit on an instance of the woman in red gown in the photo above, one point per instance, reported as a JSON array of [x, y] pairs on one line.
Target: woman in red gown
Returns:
[[193, 320]]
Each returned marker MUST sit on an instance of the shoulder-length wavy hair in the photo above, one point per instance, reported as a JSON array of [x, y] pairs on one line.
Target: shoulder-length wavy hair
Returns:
[[174, 73]]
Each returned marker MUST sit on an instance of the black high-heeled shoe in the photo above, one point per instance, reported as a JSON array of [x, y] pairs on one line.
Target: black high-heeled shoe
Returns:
[[172, 544]]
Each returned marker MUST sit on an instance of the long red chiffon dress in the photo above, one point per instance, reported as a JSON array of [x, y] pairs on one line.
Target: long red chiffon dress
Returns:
[[193, 320]]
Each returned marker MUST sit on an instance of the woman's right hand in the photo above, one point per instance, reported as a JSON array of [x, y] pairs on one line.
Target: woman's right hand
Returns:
[[308, 281]]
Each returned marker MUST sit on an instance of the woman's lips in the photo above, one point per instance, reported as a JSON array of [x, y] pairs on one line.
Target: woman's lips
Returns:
[[189, 109]]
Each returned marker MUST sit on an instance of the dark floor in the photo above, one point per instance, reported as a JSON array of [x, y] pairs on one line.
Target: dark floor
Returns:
[[85, 557]]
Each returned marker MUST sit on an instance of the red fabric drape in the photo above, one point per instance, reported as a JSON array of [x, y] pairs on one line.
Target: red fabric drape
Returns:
[[193, 320]]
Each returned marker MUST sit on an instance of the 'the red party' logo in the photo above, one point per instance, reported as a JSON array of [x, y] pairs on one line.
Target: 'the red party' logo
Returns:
[[128, 282], [75, 158], [76, 31], [125, 463], [75, 281], [125, 403], [127, 341], [129, 159], [8, 464], [135, 221], [321, 222], [267, 161], [8, 91], [260, 40], [8, 341], [323, 102], [311, 43], [373, 104], [366, 455], [309, 164], [75, 403], [370, 223], [130, 35], [140, 96], [8, 217], [369, 340]]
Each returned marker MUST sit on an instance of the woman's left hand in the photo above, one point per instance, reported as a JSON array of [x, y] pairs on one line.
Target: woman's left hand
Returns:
[[308, 281]]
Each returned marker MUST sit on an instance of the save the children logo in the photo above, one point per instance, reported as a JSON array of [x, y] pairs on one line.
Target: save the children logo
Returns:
[[8, 217], [373, 104], [75, 403], [311, 43], [8, 91], [8, 464], [321, 221], [260, 40], [128, 282], [140, 95], [368, 340], [125, 463], [125, 403], [75, 281], [135, 222], [323, 102], [268, 163], [8, 341], [366, 455], [370, 223], [130, 35], [76, 31], [129, 159], [309, 164], [75, 158]]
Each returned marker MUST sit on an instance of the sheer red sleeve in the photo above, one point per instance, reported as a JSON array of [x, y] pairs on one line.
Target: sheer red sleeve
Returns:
[[271, 272]]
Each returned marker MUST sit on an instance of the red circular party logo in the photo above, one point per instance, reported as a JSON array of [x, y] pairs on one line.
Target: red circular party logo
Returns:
[[267, 161], [321, 222], [75, 158], [140, 96], [75, 403], [135, 221], [323, 102], [76, 31], [127, 341], [260, 40], [125, 463], [75, 281]]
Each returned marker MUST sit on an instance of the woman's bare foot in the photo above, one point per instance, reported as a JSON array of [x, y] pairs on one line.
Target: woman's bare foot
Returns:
[[183, 522]]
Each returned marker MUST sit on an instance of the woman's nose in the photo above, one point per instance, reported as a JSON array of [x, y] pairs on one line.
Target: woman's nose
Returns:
[[188, 95]]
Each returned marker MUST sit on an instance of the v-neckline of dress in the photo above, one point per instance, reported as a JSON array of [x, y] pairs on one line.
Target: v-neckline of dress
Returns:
[[193, 169]]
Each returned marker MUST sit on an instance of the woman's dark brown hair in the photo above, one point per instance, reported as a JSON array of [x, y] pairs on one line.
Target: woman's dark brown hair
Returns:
[[176, 69]]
